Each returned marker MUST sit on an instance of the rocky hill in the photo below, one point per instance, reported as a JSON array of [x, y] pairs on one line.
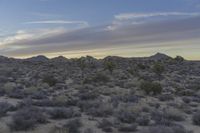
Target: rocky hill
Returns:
[[156, 94]]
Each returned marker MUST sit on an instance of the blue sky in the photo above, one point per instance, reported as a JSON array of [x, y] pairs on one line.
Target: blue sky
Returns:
[[99, 27]]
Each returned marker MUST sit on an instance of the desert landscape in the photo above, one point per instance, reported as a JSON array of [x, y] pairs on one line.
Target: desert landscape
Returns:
[[156, 94]]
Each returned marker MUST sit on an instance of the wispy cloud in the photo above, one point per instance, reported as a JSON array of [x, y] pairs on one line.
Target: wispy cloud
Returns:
[[83, 23], [140, 18], [127, 16]]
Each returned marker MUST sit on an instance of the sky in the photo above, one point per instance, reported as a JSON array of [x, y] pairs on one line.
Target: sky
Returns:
[[74, 28]]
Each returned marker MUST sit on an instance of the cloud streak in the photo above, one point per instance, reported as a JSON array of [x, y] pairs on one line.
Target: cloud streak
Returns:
[[127, 16], [84, 23]]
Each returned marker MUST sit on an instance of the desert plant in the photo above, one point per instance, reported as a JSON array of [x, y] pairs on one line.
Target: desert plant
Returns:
[[82, 65], [179, 59], [26, 119], [103, 110], [126, 116], [158, 68], [49, 79], [4, 108], [87, 95], [110, 66], [97, 78], [143, 120], [73, 126], [63, 113], [128, 128], [196, 118], [165, 129], [151, 87], [105, 125]]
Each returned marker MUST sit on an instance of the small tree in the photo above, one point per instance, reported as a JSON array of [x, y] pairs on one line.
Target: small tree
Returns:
[[158, 68], [179, 59], [110, 66]]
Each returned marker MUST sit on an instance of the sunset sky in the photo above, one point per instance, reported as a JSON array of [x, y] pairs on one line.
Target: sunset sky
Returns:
[[74, 28]]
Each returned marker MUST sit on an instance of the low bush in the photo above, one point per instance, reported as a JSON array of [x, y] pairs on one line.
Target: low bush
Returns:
[[165, 129], [196, 118], [126, 116], [63, 113], [166, 117], [151, 87], [50, 80], [87, 95], [4, 108], [143, 120], [105, 125], [98, 78], [158, 68], [166, 97], [73, 126], [103, 110], [26, 119], [128, 128], [86, 105]]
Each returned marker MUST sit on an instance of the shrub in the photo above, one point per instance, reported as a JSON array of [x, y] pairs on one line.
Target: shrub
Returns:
[[158, 68], [143, 120], [63, 113], [26, 119], [4, 108], [105, 125], [103, 110], [73, 126], [166, 97], [110, 66], [39, 95], [126, 116], [167, 117], [88, 130], [141, 66], [174, 115], [98, 78], [128, 128], [165, 129], [50, 80], [151, 87], [196, 118], [86, 105], [87, 95], [17, 93], [179, 59]]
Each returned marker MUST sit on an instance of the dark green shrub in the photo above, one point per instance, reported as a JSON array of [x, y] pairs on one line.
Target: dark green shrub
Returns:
[[151, 87], [141, 66], [110, 66], [158, 68], [50, 80], [179, 59]]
